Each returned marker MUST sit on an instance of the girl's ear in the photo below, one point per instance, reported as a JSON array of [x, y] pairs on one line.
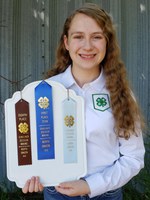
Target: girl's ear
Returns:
[[66, 42]]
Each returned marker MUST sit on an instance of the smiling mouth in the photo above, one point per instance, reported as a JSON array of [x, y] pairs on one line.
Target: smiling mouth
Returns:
[[87, 56]]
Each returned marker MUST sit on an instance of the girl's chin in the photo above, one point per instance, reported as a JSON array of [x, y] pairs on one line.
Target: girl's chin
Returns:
[[87, 67]]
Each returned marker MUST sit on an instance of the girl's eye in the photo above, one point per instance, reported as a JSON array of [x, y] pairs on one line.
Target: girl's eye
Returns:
[[78, 37], [98, 37]]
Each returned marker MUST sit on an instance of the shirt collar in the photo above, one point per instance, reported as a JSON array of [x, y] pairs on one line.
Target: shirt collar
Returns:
[[97, 84], [68, 77]]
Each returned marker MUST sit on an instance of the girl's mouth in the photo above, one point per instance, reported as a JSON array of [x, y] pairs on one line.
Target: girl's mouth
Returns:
[[87, 56]]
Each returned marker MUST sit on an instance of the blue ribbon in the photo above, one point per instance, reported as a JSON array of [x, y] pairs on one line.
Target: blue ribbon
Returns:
[[44, 121]]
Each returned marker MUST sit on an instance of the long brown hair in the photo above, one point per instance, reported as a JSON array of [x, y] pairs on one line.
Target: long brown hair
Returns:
[[124, 106]]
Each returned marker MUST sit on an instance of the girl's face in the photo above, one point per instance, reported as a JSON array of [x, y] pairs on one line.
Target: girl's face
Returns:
[[85, 42]]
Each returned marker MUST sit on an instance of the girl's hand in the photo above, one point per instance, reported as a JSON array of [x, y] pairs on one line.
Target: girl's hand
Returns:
[[33, 185], [74, 188]]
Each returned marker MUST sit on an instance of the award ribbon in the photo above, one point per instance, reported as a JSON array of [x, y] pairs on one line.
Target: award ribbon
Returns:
[[23, 132], [44, 121], [69, 130]]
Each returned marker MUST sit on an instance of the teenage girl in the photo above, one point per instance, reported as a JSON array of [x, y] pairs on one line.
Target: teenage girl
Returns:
[[88, 62]]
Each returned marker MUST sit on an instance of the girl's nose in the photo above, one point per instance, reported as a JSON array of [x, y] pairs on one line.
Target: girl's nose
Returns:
[[87, 45]]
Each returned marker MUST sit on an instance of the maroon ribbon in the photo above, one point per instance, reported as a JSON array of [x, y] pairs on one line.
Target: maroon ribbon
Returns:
[[23, 132]]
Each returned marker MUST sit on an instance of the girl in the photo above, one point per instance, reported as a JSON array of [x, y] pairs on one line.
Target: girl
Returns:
[[88, 62]]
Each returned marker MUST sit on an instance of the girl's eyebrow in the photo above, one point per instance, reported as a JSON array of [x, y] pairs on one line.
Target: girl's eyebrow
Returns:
[[76, 32], [99, 32], [93, 33]]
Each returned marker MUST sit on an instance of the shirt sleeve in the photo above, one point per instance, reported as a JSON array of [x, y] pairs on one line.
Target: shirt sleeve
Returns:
[[130, 162]]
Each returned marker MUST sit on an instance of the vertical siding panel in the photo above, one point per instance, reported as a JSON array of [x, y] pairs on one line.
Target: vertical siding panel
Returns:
[[53, 33], [115, 12], [143, 36], [47, 41], [5, 71], [37, 26], [26, 40], [148, 66], [32, 31], [16, 43], [129, 35]]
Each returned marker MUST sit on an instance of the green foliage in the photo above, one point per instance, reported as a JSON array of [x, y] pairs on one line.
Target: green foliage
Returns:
[[14, 193], [18, 195], [139, 187]]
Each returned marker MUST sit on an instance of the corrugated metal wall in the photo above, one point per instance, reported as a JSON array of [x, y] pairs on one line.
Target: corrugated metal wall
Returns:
[[29, 32]]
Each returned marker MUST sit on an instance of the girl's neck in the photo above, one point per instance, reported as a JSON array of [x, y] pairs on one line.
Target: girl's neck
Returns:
[[83, 76]]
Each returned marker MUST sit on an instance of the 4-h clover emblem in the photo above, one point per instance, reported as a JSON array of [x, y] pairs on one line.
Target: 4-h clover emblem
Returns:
[[69, 121], [101, 102], [23, 127], [43, 102]]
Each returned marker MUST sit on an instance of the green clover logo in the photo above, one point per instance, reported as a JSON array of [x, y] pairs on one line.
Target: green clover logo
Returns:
[[101, 102]]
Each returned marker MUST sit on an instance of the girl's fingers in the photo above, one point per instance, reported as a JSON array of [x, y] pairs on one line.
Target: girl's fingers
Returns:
[[32, 184], [41, 187], [25, 189], [36, 185]]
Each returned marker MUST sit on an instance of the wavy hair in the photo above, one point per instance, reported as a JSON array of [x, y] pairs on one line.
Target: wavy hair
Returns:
[[124, 106]]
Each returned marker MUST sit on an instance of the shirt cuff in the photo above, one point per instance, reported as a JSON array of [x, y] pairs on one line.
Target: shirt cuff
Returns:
[[95, 189]]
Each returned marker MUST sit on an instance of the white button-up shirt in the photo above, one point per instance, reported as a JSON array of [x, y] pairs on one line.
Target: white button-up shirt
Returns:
[[111, 161]]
